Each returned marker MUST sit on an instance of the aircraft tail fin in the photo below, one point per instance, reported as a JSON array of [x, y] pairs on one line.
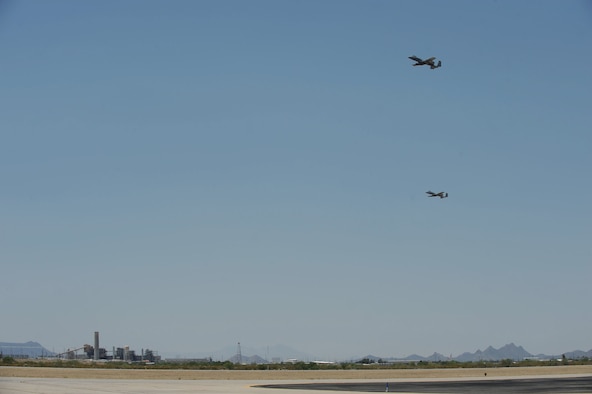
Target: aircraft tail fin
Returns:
[[439, 63]]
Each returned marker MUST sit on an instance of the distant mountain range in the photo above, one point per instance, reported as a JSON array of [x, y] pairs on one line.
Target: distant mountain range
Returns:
[[507, 352], [249, 354], [280, 353]]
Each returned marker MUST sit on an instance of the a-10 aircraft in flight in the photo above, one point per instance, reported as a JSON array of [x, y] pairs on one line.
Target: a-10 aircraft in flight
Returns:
[[441, 194], [428, 62]]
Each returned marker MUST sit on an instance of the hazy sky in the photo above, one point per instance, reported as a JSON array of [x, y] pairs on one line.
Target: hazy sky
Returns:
[[185, 175]]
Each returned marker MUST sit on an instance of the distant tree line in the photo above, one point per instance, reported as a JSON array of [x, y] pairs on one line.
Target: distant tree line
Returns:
[[299, 365]]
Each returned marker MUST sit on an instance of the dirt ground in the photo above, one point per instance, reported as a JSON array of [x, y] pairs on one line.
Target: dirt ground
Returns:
[[155, 374]]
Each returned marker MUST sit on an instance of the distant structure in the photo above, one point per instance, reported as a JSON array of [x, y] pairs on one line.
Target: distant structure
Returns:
[[96, 349], [97, 353], [24, 350], [239, 355]]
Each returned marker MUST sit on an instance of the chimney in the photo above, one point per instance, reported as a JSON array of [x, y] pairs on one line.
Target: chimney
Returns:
[[96, 345]]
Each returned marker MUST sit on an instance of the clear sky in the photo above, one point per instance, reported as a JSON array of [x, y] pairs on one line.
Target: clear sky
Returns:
[[186, 175]]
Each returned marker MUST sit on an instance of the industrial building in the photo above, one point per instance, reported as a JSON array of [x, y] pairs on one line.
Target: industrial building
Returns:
[[124, 353]]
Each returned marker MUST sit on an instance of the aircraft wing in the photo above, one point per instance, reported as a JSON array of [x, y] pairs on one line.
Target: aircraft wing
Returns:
[[415, 58], [430, 60]]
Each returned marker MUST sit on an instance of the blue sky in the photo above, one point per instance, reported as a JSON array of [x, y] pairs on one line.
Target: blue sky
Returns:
[[186, 175]]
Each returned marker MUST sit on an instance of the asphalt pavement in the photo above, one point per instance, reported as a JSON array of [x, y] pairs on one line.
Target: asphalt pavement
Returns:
[[539, 385]]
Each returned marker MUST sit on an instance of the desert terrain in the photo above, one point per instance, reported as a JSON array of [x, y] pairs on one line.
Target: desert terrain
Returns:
[[177, 374]]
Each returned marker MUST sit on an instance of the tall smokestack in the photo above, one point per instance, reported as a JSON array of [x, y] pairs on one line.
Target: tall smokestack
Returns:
[[96, 346]]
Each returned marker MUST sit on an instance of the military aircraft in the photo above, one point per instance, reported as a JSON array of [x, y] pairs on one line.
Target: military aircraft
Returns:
[[427, 62], [441, 194]]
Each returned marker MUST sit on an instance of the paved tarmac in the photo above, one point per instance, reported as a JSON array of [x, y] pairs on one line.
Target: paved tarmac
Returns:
[[582, 384], [556, 384]]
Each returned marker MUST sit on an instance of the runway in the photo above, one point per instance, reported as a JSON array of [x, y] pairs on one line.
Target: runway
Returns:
[[493, 386], [555, 384]]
